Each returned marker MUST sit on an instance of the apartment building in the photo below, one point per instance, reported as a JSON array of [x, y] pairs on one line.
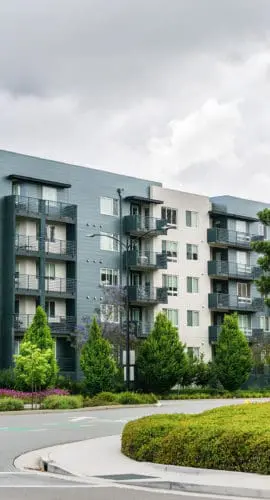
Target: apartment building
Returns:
[[184, 254]]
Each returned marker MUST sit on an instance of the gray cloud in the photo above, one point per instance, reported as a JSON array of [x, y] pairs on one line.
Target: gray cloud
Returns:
[[179, 89]]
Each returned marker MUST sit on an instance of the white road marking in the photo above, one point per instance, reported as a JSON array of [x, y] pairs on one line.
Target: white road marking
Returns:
[[37, 430], [77, 419]]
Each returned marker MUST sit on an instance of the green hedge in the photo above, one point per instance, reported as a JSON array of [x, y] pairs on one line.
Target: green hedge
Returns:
[[101, 399], [61, 402], [235, 438], [123, 398], [10, 404], [215, 394]]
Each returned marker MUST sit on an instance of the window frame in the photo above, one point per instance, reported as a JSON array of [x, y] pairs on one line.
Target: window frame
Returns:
[[168, 311], [172, 289], [169, 252], [191, 280], [191, 314], [48, 305], [112, 238], [191, 253], [50, 265], [105, 316], [112, 274], [170, 213], [192, 214], [113, 211]]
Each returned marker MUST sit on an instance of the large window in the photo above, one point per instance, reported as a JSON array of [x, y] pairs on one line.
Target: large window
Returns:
[[194, 351], [109, 206], [192, 252], [109, 313], [109, 242], [50, 308], [50, 233], [244, 322], [170, 248], [170, 281], [50, 271], [192, 218], [170, 215], [108, 277], [243, 290], [193, 318], [172, 315], [265, 323], [192, 285]]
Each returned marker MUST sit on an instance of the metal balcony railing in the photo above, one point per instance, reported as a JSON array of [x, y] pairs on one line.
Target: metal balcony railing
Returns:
[[60, 210], [66, 364], [26, 244], [222, 301], [142, 329], [60, 285], [223, 268], [58, 324], [145, 260], [147, 295], [138, 224], [26, 282], [214, 331], [228, 237], [53, 209], [28, 205], [61, 247]]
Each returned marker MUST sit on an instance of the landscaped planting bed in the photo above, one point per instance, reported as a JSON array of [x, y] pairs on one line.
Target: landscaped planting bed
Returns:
[[235, 438]]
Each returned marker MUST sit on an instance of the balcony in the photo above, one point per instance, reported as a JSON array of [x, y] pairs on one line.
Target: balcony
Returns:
[[26, 284], [54, 210], [137, 225], [145, 261], [214, 331], [59, 325], [27, 206], [61, 249], [60, 287], [225, 302], [26, 245], [222, 237], [224, 269], [140, 329], [147, 295]]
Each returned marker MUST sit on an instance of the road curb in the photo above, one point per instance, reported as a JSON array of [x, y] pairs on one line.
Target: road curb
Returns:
[[75, 410]]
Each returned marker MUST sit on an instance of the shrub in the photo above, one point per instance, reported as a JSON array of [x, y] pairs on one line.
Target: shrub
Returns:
[[132, 398], [61, 402], [9, 404], [101, 399], [27, 396], [233, 438], [7, 378]]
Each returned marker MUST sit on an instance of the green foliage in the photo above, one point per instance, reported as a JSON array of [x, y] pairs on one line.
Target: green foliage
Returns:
[[197, 372], [32, 366], [124, 398], [10, 404], [197, 393], [235, 438], [102, 399], [7, 379], [263, 248], [161, 360], [61, 402], [73, 386], [233, 360], [97, 362], [39, 334]]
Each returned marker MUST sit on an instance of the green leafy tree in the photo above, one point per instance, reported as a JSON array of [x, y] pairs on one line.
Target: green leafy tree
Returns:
[[197, 371], [32, 367], [263, 248], [233, 360], [39, 334], [161, 359], [97, 361]]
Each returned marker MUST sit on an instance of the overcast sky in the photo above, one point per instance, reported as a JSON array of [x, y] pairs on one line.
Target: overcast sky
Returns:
[[171, 90]]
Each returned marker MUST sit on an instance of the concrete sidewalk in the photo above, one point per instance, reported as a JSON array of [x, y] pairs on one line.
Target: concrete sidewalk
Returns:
[[101, 459]]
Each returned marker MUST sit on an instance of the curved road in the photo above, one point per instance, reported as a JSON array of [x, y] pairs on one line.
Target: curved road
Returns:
[[23, 433]]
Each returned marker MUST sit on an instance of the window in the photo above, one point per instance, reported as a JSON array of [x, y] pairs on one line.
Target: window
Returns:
[[50, 308], [108, 277], [243, 290], [265, 323], [50, 271], [194, 352], [17, 343], [16, 189], [50, 233], [170, 215], [109, 313], [192, 252], [170, 248], [109, 242], [244, 322], [192, 218], [170, 282], [192, 285], [172, 315], [193, 318], [109, 206], [49, 193]]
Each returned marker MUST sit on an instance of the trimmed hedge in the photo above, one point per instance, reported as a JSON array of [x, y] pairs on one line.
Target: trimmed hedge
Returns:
[[215, 394], [235, 438], [10, 404], [123, 398], [61, 402], [101, 399]]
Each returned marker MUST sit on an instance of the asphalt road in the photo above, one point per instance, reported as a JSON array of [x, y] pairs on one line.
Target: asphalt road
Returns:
[[23, 433]]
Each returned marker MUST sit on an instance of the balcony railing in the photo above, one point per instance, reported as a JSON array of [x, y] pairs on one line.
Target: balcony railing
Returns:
[[147, 295], [228, 237], [60, 285], [53, 209], [145, 260], [223, 302], [26, 282], [225, 269], [214, 331], [61, 247], [26, 244], [137, 225], [58, 324]]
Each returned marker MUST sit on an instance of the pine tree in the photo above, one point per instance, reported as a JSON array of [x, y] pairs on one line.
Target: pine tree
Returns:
[[97, 362], [161, 360]]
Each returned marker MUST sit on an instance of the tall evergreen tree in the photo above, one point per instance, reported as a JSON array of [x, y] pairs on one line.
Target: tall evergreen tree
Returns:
[[263, 248], [161, 360]]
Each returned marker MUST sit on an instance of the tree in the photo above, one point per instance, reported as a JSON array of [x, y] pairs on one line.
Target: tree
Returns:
[[233, 360], [263, 248], [39, 335], [97, 361], [32, 367], [161, 360], [197, 371]]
